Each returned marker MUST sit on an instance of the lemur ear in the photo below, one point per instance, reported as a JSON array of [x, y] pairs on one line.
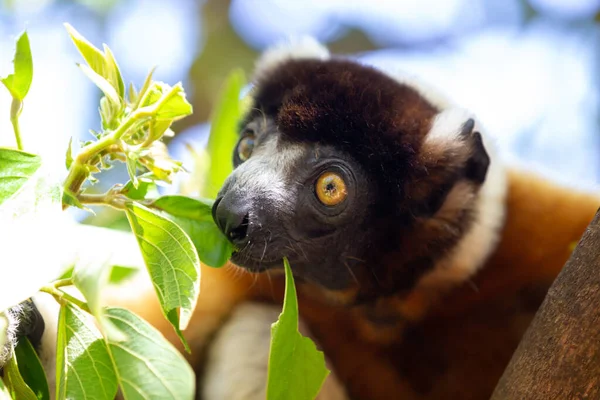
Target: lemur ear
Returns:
[[479, 161], [453, 151], [293, 48]]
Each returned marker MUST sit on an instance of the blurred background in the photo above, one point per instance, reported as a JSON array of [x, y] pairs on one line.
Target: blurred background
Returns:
[[528, 68]]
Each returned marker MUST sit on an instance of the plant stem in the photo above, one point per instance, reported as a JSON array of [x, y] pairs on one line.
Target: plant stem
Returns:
[[62, 282], [105, 199], [62, 297], [15, 111], [78, 172]]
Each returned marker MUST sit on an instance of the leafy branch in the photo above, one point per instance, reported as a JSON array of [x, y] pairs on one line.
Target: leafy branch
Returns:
[[174, 234]]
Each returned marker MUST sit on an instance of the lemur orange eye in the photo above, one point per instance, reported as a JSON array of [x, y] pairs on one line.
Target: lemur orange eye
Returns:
[[245, 147], [331, 189]]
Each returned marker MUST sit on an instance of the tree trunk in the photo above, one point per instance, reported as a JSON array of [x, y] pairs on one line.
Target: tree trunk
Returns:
[[559, 355]]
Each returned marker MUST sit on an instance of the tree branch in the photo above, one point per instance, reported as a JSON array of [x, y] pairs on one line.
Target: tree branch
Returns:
[[559, 355]]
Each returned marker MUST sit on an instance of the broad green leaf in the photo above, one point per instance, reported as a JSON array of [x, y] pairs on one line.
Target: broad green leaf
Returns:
[[84, 369], [14, 382], [90, 275], [19, 82], [172, 262], [148, 366], [102, 83], [296, 368], [223, 134], [195, 218], [16, 167], [102, 64], [31, 369]]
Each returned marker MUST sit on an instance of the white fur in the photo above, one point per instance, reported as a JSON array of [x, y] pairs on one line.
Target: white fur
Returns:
[[479, 242], [8, 324], [237, 363], [267, 171], [293, 48], [447, 125]]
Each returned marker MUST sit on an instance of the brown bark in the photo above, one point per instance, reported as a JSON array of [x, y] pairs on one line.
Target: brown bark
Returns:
[[559, 355]]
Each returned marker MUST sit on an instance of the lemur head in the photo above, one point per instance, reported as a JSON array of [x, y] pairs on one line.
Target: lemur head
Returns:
[[367, 183]]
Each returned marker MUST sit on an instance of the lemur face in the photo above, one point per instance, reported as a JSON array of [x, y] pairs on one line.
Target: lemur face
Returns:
[[356, 178]]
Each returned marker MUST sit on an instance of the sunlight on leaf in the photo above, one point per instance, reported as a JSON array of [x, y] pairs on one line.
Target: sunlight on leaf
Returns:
[[83, 365], [172, 262], [296, 368], [16, 167], [19, 82], [101, 63], [102, 84], [28, 218], [148, 365], [90, 275], [223, 133], [195, 218]]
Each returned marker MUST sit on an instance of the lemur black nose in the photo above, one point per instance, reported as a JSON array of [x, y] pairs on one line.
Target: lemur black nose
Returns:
[[231, 216]]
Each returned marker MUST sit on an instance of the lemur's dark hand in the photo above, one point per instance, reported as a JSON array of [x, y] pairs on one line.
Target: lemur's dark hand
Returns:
[[23, 320]]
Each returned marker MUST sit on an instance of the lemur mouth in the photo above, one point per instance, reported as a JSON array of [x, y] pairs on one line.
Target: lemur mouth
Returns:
[[254, 265]]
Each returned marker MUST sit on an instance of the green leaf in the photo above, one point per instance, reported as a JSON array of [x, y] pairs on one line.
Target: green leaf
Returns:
[[144, 186], [90, 275], [143, 90], [19, 82], [112, 66], [4, 393], [69, 157], [169, 102], [195, 218], [175, 105], [148, 366], [104, 85], [31, 369], [72, 200], [14, 382], [102, 64], [16, 168], [223, 134], [296, 368], [118, 273], [132, 169], [84, 369], [172, 262]]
